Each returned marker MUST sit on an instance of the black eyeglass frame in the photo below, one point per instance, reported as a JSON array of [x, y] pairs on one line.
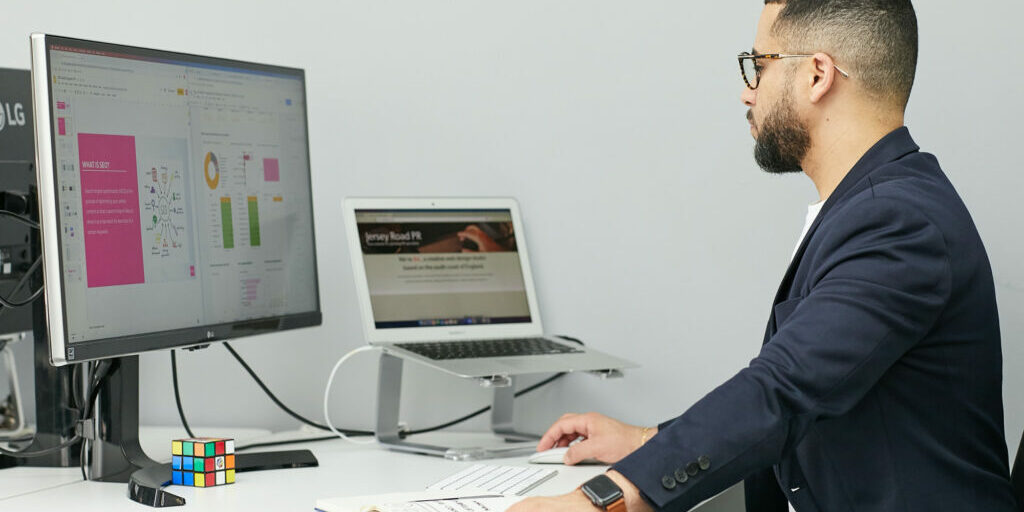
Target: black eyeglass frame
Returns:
[[771, 56]]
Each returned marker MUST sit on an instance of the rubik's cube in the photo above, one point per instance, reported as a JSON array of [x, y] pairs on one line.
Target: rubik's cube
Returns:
[[203, 462]]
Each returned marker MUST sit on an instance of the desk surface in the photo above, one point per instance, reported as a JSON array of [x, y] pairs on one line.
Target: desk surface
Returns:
[[345, 470]]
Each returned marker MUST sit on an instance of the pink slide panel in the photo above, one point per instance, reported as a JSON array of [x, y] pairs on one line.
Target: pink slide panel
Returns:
[[110, 210], [271, 170]]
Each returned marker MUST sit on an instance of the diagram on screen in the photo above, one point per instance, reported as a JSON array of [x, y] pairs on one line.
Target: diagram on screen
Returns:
[[163, 209]]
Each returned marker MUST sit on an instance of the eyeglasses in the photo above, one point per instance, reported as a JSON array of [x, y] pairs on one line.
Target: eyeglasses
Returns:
[[751, 70]]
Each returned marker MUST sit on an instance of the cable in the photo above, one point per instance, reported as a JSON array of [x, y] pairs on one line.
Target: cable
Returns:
[[345, 434], [24, 220], [97, 376], [480, 411], [177, 394], [327, 394], [280, 404], [77, 393], [40, 453], [281, 443], [9, 303]]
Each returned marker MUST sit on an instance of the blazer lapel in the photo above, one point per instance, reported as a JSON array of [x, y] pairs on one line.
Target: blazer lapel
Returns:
[[893, 146]]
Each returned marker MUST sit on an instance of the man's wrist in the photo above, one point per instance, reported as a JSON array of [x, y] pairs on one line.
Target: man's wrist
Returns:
[[630, 493]]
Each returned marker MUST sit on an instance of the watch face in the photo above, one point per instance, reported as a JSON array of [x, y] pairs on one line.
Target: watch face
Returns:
[[602, 491]]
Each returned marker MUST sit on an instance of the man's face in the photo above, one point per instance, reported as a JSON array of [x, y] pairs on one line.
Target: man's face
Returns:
[[781, 137]]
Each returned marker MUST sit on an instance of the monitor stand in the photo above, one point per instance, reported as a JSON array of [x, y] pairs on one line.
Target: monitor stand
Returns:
[[117, 455]]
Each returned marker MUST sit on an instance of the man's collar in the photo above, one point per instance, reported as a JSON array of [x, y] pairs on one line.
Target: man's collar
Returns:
[[893, 146]]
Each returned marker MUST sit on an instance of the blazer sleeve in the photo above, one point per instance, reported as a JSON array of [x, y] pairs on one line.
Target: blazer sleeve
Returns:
[[880, 280]]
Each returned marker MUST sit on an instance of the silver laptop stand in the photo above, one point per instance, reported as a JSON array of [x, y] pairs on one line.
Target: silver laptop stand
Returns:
[[389, 393]]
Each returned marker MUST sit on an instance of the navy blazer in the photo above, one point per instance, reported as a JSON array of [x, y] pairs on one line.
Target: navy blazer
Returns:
[[879, 383]]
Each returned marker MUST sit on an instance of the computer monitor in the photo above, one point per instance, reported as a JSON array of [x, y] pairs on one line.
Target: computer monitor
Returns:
[[175, 198], [176, 209]]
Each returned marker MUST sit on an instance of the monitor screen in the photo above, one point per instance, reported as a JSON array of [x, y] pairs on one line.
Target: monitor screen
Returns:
[[438, 268], [181, 195]]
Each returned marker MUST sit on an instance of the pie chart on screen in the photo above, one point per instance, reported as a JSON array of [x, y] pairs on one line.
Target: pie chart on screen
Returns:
[[211, 164]]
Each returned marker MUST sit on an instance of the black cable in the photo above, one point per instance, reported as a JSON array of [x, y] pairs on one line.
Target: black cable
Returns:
[[290, 441], [349, 432], [10, 303], [40, 453], [177, 394], [482, 410], [407, 433], [478, 412], [284, 407], [97, 376], [24, 220], [76, 394]]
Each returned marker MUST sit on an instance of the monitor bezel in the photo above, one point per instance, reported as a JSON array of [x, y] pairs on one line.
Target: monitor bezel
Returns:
[[62, 351]]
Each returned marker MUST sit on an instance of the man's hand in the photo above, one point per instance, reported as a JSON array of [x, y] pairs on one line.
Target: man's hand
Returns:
[[576, 501], [604, 439]]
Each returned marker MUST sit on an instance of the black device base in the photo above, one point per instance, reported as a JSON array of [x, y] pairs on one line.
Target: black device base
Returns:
[[146, 485]]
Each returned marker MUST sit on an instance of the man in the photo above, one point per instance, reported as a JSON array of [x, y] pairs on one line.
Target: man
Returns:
[[878, 385]]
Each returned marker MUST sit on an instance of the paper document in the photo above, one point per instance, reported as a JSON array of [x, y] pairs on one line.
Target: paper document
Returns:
[[422, 501], [478, 488]]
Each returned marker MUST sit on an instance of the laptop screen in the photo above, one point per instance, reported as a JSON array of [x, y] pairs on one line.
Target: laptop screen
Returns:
[[434, 268]]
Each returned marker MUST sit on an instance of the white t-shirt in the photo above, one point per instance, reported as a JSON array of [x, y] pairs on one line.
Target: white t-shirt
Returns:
[[812, 213]]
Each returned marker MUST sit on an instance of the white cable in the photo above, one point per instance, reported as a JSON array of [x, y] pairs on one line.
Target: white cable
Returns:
[[327, 395]]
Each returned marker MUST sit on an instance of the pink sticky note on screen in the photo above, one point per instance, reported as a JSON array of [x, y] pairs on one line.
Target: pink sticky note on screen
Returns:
[[61, 126], [271, 170]]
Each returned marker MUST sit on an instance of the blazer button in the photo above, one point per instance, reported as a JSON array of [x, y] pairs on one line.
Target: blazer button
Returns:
[[692, 469], [668, 482], [704, 462], [681, 476]]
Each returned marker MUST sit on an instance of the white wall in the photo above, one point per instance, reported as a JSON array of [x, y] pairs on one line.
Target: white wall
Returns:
[[617, 124]]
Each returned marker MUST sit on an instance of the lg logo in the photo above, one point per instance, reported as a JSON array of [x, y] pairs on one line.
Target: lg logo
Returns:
[[11, 116]]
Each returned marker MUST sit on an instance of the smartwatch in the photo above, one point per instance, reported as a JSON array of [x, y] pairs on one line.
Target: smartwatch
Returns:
[[604, 494]]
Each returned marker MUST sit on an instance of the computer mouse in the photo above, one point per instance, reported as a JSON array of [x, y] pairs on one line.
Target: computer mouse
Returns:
[[556, 456]]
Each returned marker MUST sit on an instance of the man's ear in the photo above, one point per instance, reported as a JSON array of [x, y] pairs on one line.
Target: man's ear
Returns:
[[823, 76]]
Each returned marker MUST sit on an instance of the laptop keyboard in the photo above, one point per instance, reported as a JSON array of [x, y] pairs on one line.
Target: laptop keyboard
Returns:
[[469, 349]]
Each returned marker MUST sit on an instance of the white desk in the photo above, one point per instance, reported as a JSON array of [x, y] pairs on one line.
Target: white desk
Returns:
[[345, 470]]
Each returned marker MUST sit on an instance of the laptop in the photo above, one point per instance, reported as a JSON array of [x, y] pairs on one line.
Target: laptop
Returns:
[[447, 282]]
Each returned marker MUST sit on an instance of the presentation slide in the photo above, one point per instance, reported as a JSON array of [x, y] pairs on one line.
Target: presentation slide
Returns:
[[442, 268]]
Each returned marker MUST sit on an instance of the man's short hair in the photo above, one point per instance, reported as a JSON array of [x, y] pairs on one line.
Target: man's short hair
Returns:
[[874, 40]]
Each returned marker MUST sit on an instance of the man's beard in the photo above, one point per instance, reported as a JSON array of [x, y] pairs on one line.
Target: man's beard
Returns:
[[782, 140]]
